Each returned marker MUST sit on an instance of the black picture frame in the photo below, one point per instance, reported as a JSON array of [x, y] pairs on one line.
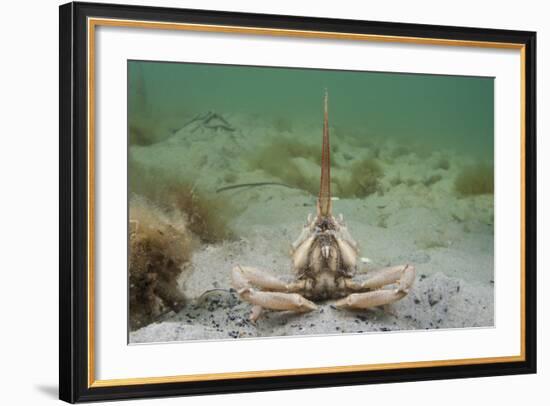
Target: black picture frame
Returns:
[[74, 385]]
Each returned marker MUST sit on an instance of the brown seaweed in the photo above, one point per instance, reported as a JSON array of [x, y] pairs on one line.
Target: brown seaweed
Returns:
[[475, 180], [159, 246]]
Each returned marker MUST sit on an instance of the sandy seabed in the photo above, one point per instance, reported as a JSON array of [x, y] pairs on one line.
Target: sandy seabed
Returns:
[[448, 239]]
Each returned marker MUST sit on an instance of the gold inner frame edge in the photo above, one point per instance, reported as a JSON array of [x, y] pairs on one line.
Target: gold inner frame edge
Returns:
[[92, 23]]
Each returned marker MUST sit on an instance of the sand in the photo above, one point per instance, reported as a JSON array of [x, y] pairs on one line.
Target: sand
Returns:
[[448, 239]]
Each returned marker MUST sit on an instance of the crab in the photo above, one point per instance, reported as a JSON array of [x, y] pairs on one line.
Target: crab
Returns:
[[325, 259]]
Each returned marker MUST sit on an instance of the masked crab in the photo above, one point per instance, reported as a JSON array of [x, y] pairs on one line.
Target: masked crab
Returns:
[[325, 259]]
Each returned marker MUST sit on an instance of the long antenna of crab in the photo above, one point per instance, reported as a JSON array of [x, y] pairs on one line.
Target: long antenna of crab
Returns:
[[324, 204]]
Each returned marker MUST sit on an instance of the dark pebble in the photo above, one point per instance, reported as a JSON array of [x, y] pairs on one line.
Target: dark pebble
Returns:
[[432, 301]]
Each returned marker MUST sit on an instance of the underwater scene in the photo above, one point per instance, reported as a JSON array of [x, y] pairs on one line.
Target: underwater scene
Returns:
[[269, 202]]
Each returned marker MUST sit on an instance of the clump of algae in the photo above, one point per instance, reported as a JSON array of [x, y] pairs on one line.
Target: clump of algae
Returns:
[[364, 180], [279, 160], [160, 244], [169, 218], [284, 160], [475, 180], [206, 214], [442, 163]]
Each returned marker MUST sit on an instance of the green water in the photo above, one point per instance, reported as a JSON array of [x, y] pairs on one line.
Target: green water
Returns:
[[453, 112]]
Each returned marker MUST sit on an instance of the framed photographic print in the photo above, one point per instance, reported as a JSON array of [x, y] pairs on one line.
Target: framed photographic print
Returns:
[[256, 202]]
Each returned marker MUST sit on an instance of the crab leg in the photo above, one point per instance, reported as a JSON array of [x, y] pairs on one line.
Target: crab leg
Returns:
[[245, 279], [248, 277], [369, 300], [403, 275], [277, 300]]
